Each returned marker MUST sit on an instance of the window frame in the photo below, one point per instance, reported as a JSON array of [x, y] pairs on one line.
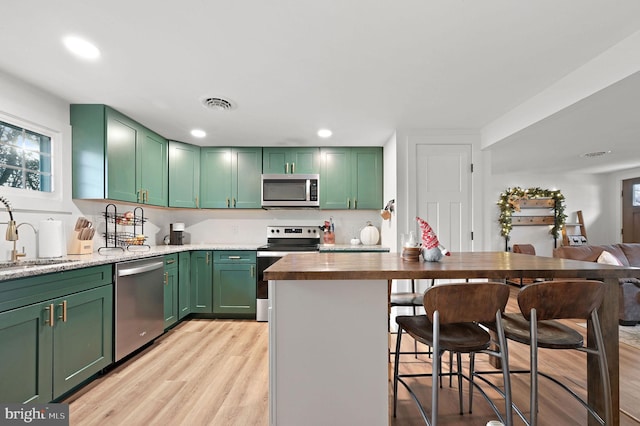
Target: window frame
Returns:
[[28, 199]]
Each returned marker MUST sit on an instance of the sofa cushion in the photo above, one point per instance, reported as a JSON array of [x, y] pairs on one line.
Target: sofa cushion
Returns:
[[632, 253], [607, 258]]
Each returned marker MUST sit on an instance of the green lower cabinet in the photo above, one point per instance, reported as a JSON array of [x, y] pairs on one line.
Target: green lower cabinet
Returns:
[[49, 348], [170, 290], [82, 343], [234, 283], [184, 284], [26, 371], [201, 276]]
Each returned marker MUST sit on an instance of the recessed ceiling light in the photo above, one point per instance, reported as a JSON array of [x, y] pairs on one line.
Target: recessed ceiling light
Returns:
[[81, 47], [595, 154], [197, 133], [325, 133]]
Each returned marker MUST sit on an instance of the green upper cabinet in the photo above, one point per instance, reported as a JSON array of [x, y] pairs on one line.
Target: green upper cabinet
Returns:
[[351, 178], [153, 170], [116, 158], [230, 177], [291, 160], [184, 175]]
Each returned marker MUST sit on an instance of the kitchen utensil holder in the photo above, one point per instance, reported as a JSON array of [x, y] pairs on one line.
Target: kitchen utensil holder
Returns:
[[78, 246], [129, 240]]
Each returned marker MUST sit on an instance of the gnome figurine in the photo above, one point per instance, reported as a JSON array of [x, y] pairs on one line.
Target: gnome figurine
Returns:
[[432, 250]]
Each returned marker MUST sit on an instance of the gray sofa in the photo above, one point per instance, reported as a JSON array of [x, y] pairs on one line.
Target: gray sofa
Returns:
[[629, 255]]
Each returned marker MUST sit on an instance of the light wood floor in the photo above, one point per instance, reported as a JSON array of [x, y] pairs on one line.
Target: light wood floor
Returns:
[[215, 372]]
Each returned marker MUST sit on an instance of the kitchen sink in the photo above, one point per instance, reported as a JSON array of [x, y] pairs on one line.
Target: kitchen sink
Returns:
[[7, 264]]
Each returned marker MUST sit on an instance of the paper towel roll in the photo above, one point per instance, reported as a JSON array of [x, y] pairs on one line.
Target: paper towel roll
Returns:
[[51, 239]]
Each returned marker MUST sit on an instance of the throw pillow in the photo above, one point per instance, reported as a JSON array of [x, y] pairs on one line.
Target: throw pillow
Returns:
[[608, 259]]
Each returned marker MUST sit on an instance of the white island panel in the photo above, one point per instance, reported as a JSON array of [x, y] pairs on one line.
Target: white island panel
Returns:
[[328, 353]]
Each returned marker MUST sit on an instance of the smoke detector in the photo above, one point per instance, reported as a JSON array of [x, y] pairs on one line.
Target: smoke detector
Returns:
[[218, 104]]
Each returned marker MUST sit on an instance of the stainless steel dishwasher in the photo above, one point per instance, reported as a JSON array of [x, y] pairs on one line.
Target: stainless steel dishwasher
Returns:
[[139, 300]]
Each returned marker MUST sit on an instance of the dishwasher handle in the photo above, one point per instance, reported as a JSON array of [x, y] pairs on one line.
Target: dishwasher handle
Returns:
[[140, 269]]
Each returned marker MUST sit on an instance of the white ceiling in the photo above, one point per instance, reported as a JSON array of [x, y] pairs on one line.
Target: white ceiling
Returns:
[[360, 67]]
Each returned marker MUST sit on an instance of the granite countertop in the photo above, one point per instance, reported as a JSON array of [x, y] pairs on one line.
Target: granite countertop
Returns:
[[77, 261], [352, 248]]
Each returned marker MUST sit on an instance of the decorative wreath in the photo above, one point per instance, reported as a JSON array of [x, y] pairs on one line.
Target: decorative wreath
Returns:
[[510, 202]]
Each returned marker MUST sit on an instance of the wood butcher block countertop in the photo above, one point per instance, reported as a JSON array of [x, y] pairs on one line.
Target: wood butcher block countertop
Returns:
[[496, 265]]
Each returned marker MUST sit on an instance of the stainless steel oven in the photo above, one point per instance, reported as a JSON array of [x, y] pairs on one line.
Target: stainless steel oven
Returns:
[[281, 240]]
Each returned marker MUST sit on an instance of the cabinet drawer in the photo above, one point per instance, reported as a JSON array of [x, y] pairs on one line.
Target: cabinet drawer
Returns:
[[235, 256], [26, 291], [171, 261]]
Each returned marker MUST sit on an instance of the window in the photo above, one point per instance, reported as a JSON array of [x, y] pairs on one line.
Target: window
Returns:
[[25, 159], [636, 195]]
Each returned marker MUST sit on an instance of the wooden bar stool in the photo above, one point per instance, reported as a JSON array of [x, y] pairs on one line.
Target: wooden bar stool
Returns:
[[541, 304], [451, 323]]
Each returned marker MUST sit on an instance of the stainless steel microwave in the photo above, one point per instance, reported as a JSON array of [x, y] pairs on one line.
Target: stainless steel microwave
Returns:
[[290, 190]]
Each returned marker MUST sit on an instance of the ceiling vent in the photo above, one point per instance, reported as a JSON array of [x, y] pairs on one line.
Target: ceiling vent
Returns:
[[218, 104], [595, 154]]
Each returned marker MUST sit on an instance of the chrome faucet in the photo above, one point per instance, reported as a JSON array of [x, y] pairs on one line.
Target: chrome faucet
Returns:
[[12, 230]]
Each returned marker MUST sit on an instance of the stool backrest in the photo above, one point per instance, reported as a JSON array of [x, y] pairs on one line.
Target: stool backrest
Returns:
[[466, 302], [524, 248], [562, 299]]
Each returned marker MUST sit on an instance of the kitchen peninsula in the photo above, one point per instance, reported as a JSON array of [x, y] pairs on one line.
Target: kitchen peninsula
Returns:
[[328, 327]]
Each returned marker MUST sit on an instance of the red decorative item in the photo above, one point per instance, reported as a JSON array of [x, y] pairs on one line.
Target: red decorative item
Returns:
[[429, 238]]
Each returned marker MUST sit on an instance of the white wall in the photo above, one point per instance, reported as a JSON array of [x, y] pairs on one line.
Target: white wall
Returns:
[[389, 228], [33, 107], [582, 192]]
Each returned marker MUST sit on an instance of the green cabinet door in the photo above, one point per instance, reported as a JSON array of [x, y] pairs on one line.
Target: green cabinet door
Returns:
[[246, 180], [82, 337], [351, 178], [201, 282], [184, 175], [153, 168], [121, 164], [335, 179], [366, 178], [230, 177], [215, 177], [184, 284], [170, 290], [26, 367], [300, 160], [234, 283]]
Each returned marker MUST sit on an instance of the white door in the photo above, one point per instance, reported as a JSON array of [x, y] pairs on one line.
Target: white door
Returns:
[[443, 183]]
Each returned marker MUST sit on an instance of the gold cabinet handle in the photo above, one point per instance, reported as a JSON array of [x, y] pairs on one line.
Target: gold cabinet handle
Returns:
[[355, 203], [50, 321], [63, 317], [207, 258], [293, 167], [252, 270], [234, 257], [170, 261], [227, 202], [197, 205], [138, 195], [234, 202], [286, 167], [166, 278], [348, 203]]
